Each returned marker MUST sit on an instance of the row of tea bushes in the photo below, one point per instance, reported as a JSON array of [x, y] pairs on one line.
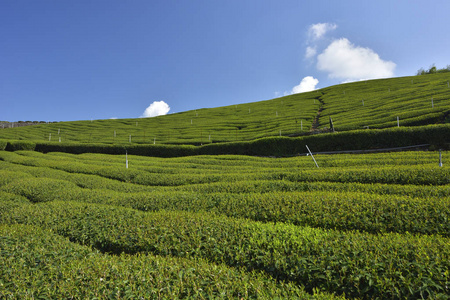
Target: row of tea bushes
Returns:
[[436, 135], [39, 264], [240, 186], [324, 209], [394, 174], [351, 263]]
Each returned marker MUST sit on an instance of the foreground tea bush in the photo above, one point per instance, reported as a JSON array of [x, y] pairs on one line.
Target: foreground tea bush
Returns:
[[38, 264], [334, 210], [357, 264]]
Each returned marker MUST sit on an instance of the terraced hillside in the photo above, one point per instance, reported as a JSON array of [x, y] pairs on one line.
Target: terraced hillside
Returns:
[[367, 226], [417, 100]]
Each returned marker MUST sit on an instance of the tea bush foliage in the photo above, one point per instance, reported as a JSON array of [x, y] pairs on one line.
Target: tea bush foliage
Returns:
[[368, 226]]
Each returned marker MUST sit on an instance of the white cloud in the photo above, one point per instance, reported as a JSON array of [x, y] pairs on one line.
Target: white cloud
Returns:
[[306, 85], [310, 52], [316, 31], [343, 60], [157, 108]]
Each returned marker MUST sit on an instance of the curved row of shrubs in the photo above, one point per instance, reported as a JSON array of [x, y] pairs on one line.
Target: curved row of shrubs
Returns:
[[324, 209], [395, 266], [59, 269], [434, 135]]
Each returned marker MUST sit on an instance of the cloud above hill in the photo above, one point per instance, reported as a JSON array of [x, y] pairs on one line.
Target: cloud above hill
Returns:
[[317, 31], [343, 60], [307, 84], [157, 108], [316, 34]]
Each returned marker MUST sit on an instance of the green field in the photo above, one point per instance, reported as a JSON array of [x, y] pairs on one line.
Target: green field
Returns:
[[416, 101], [364, 226], [222, 203]]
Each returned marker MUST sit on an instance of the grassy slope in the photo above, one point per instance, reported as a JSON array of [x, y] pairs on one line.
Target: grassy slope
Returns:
[[409, 98]]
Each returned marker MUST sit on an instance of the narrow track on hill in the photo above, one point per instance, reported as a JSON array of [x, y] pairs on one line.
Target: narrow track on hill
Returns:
[[316, 122]]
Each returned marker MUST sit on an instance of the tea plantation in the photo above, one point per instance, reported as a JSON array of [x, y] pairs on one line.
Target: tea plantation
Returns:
[[361, 226], [218, 203], [373, 104]]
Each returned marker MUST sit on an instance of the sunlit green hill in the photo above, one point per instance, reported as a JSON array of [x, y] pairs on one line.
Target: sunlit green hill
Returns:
[[384, 103]]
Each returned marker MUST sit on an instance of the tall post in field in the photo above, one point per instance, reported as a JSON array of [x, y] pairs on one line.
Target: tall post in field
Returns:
[[398, 122], [432, 104], [312, 156], [129, 138], [440, 158], [126, 159], [49, 137]]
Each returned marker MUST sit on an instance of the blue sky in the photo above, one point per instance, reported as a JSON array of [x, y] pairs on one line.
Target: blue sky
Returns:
[[101, 59]]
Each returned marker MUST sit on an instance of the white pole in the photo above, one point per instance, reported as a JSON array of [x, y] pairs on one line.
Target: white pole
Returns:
[[60, 139], [249, 110], [363, 102], [114, 133], [280, 132], [440, 158], [126, 159], [154, 141], [50, 137], [129, 139], [136, 124], [277, 113], [398, 122], [312, 156]]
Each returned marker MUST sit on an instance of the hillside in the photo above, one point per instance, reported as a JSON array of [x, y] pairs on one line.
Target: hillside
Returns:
[[415, 100]]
